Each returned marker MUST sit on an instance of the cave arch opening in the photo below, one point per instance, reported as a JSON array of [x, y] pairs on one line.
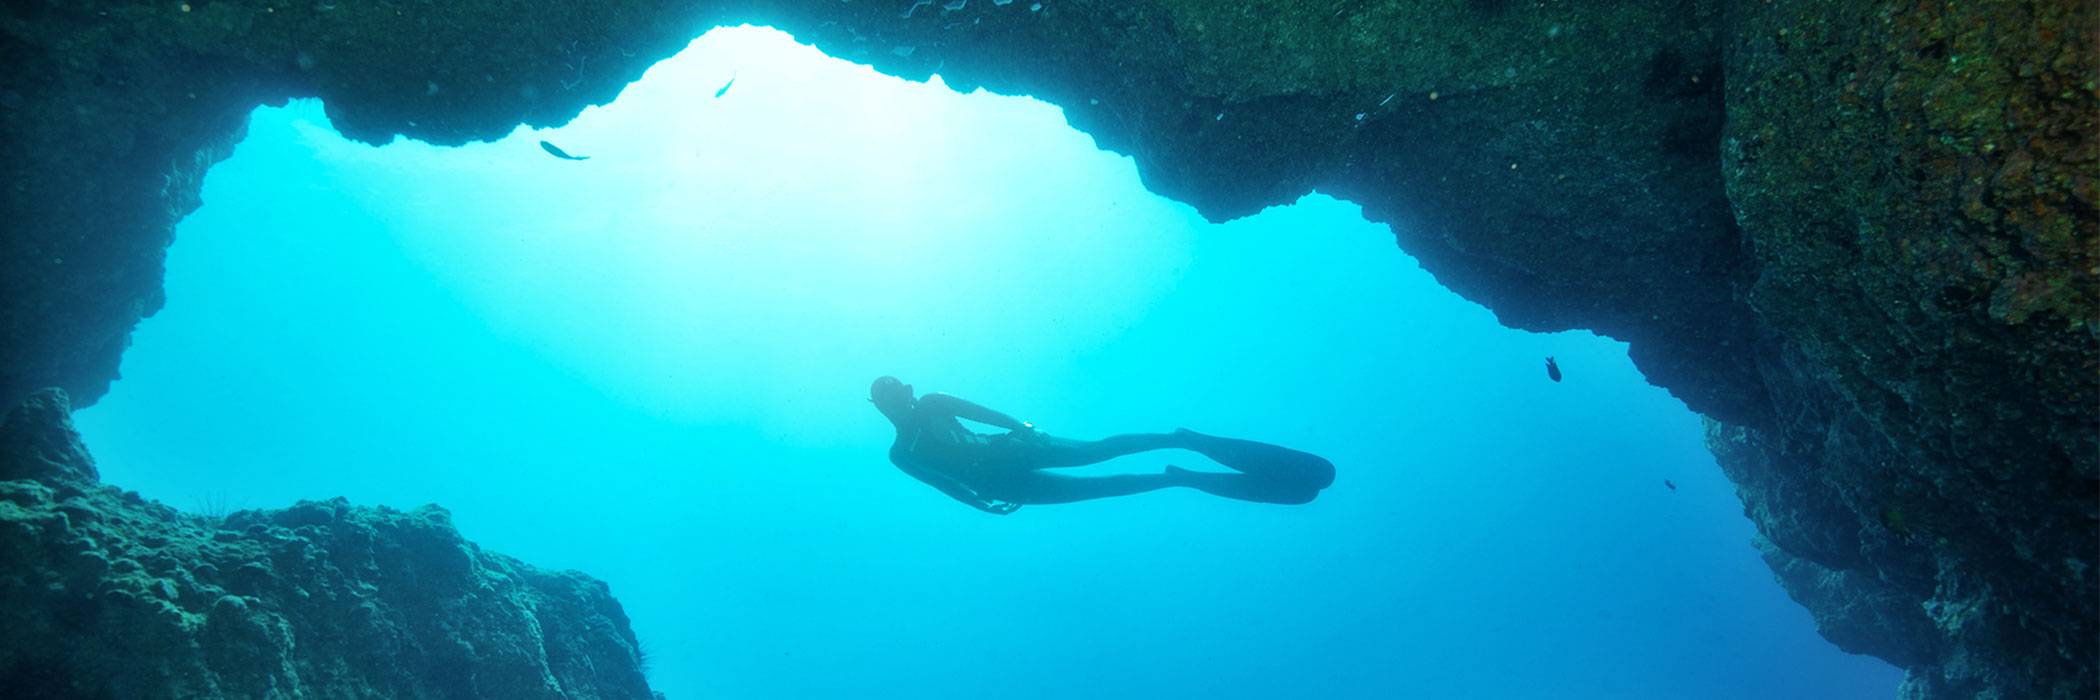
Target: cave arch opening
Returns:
[[647, 366]]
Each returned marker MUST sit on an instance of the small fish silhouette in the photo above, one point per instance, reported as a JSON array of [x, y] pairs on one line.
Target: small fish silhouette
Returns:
[[1552, 369], [558, 153], [1666, 482], [725, 87]]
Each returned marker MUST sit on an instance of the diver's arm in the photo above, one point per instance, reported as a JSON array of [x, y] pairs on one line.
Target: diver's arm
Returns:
[[959, 492], [960, 408]]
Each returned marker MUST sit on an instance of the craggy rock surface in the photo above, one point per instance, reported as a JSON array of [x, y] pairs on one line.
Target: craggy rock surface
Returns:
[[1859, 236], [106, 595], [1917, 182]]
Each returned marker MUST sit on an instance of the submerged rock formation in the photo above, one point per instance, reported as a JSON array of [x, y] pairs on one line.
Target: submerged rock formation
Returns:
[[107, 595], [1918, 183], [1860, 237]]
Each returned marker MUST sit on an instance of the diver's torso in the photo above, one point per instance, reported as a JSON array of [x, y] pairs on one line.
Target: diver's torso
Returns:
[[942, 445]]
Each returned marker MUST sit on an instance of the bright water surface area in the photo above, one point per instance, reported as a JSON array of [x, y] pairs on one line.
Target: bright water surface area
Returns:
[[652, 366]]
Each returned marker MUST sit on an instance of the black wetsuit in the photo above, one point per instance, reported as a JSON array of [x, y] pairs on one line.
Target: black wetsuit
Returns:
[[1000, 472]]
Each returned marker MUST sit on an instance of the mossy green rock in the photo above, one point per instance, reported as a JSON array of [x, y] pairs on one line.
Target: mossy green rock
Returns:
[[105, 594], [1918, 184]]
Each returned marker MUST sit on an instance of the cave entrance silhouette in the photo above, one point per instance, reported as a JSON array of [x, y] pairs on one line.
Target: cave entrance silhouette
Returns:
[[647, 366]]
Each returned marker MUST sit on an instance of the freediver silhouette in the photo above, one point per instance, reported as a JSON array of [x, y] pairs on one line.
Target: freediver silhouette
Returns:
[[999, 473]]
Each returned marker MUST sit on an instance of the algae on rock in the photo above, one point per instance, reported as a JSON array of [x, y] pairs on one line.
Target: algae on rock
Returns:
[[105, 594]]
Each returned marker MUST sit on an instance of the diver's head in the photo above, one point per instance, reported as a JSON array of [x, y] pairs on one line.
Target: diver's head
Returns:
[[892, 397]]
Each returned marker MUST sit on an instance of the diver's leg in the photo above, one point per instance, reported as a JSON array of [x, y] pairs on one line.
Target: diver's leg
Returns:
[[1261, 459], [1053, 451], [1245, 487], [1038, 488]]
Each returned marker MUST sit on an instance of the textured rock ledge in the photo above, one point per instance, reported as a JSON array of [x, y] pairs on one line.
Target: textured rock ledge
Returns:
[[1861, 237], [104, 594]]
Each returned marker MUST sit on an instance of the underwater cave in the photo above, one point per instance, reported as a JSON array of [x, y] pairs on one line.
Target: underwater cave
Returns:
[[522, 356]]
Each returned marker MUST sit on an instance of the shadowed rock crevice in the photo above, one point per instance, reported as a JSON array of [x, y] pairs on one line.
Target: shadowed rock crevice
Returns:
[[1858, 236]]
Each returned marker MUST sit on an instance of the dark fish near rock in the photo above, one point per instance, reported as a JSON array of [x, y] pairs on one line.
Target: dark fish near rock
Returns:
[[558, 153], [1552, 369], [725, 87], [1666, 482]]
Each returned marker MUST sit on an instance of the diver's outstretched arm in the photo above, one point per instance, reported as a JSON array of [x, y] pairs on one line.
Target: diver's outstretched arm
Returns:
[[945, 405], [959, 492]]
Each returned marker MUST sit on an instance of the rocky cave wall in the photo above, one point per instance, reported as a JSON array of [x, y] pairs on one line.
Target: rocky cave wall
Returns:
[[1859, 237], [107, 595]]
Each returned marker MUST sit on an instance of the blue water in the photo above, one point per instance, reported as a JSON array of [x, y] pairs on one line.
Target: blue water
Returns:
[[651, 366]]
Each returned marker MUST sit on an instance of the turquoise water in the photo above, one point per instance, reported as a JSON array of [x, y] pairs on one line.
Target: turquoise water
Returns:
[[651, 366]]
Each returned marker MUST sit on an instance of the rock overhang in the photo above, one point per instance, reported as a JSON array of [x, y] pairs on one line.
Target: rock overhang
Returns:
[[1669, 174]]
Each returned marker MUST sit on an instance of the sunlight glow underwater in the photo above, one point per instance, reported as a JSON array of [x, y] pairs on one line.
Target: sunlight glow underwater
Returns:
[[650, 366]]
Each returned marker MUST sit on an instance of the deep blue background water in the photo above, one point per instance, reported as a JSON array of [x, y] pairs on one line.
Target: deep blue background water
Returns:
[[651, 366]]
